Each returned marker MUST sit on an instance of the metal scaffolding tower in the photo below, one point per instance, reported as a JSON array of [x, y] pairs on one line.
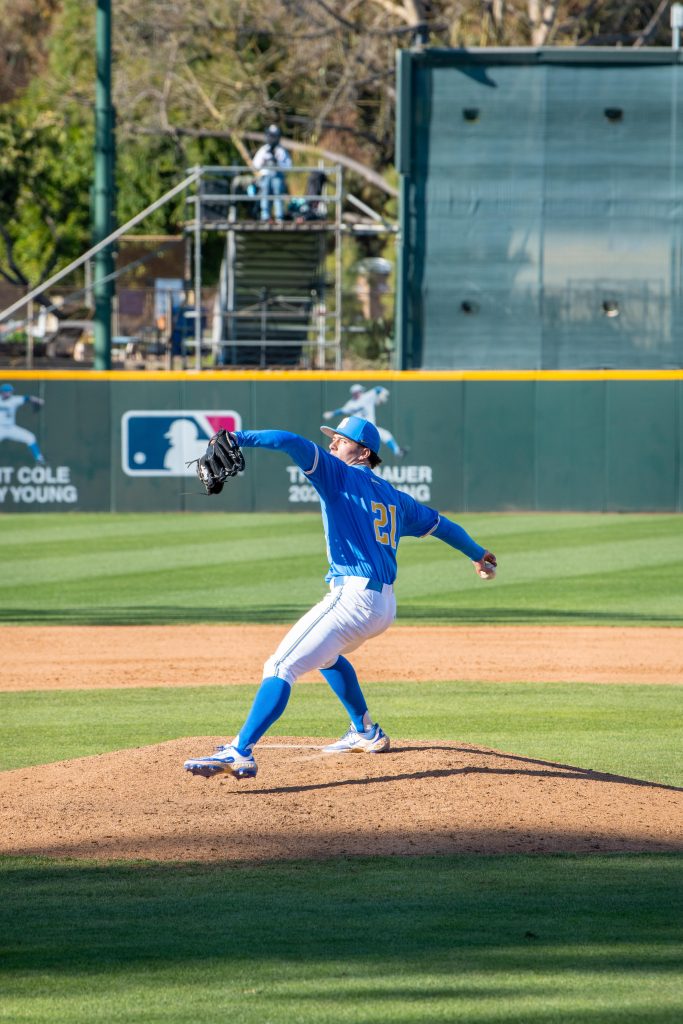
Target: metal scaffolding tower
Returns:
[[279, 297]]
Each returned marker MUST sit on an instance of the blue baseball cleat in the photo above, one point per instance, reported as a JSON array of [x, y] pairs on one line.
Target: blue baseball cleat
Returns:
[[226, 760], [373, 741]]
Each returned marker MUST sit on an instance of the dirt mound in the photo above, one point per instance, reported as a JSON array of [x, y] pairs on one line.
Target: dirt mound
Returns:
[[419, 798]]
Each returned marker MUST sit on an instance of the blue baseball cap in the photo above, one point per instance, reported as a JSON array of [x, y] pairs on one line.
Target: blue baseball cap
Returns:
[[6, 388], [359, 430]]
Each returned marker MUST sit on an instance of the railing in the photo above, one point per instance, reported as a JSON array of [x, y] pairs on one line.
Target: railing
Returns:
[[230, 199], [237, 202]]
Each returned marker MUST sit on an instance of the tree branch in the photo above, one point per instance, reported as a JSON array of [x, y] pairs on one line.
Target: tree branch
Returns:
[[337, 17], [19, 279], [300, 147], [542, 17], [652, 25]]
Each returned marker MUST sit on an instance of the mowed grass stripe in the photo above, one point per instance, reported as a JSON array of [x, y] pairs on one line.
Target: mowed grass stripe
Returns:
[[68, 527], [617, 598], [634, 731], [103, 562], [549, 528], [552, 568], [475, 940], [176, 536], [579, 560], [249, 585], [611, 564]]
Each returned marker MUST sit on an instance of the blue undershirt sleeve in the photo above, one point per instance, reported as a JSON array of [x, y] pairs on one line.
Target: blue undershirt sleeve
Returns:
[[301, 451], [453, 534]]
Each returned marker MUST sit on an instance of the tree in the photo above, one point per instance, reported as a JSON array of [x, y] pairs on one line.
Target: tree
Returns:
[[43, 197], [22, 55], [192, 80]]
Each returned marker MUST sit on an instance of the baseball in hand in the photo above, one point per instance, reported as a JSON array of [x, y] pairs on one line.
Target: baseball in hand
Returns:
[[486, 567]]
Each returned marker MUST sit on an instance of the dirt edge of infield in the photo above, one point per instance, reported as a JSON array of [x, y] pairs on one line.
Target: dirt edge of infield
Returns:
[[101, 657]]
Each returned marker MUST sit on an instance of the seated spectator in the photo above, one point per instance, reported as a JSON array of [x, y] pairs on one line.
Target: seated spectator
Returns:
[[270, 162]]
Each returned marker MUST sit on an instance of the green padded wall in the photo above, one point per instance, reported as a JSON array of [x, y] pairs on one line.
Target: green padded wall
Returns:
[[541, 199], [595, 443]]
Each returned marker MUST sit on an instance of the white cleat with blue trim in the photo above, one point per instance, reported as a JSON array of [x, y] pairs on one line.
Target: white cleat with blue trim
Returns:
[[226, 760], [372, 741]]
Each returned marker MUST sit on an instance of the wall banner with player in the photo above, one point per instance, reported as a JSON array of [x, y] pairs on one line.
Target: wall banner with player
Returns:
[[367, 402], [120, 442], [28, 482]]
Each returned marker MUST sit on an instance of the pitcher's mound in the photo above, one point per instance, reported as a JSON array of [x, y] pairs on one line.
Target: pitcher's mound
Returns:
[[419, 798]]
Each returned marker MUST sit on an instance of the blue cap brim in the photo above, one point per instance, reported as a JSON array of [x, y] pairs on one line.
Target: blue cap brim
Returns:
[[330, 431]]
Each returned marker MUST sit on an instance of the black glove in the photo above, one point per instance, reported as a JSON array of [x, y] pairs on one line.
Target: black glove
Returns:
[[223, 458]]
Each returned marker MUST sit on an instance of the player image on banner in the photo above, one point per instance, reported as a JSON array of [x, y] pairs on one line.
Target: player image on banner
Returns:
[[162, 443], [9, 431], [363, 403], [185, 442]]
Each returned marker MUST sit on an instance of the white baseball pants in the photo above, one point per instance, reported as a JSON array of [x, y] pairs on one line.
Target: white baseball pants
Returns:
[[345, 618]]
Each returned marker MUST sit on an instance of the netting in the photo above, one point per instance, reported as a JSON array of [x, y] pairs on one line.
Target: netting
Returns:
[[544, 208]]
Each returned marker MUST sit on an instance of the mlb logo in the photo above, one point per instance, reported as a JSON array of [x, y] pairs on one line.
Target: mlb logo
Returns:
[[162, 443]]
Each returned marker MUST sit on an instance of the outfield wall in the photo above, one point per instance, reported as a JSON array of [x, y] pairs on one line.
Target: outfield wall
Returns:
[[477, 441]]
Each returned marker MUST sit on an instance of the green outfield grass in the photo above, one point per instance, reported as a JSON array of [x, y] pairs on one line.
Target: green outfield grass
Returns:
[[516, 940], [121, 569], [634, 731]]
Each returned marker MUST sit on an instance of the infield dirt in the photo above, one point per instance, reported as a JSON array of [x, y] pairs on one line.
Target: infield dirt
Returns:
[[85, 657], [419, 798]]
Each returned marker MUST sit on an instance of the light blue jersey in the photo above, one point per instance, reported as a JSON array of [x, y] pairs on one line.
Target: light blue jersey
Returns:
[[364, 517]]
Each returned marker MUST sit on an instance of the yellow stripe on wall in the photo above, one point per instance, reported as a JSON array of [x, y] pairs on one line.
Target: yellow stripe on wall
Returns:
[[340, 375]]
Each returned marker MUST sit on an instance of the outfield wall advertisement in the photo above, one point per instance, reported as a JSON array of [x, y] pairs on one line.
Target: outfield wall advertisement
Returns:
[[121, 442]]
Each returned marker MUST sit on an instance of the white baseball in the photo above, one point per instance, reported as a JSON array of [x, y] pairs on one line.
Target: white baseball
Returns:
[[488, 574]]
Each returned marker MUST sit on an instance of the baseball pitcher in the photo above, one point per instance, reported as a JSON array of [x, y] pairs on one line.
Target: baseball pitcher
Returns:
[[364, 518]]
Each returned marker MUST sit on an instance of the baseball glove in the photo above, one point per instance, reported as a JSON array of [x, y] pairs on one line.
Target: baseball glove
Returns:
[[223, 458]]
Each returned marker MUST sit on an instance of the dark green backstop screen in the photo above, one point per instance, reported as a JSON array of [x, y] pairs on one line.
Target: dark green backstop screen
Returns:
[[542, 209]]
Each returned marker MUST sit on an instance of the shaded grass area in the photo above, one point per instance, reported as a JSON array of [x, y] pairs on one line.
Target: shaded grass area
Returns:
[[592, 940], [633, 731], [214, 567]]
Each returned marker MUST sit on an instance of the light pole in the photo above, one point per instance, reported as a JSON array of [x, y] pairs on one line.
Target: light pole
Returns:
[[676, 25], [103, 197]]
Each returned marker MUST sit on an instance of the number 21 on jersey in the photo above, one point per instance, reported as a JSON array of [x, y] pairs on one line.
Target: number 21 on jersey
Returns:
[[384, 523]]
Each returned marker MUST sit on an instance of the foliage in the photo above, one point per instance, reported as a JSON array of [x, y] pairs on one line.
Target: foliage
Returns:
[[46, 139], [22, 54], [369, 343], [326, 72], [46, 160], [43, 191], [194, 82]]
